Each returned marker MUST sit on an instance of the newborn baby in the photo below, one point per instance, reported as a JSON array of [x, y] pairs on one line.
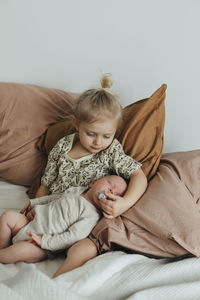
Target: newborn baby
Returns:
[[59, 221]]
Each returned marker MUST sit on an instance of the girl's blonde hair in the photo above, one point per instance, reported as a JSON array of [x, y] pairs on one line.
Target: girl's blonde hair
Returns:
[[98, 104]]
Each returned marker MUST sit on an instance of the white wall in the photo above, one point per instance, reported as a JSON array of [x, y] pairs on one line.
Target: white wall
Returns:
[[143, 43]]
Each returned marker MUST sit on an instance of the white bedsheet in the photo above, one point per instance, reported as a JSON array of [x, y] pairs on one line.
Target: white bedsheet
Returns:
[[12, 196], [110, 276]]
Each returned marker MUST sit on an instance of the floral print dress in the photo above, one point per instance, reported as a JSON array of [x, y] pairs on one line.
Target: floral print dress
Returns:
[[63, 171]]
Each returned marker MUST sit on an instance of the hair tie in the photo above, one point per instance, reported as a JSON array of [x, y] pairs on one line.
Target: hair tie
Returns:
[[106, 81]]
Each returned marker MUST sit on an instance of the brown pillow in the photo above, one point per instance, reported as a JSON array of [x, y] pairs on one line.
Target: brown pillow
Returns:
[[141, 134], [165, 222], [26, 111], [54, 133]]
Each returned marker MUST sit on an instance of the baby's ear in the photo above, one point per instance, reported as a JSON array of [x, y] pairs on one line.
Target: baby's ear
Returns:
[[92, 182]]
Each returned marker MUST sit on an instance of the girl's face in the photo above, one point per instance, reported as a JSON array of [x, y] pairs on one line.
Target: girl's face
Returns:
[[98, 135]]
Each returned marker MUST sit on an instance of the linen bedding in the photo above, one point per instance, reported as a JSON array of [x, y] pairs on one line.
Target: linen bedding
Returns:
[[164, 223], [113, 275]]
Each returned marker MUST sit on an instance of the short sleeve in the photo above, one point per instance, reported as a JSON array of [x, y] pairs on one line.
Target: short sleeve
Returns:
[[51, 171], [121, 163]]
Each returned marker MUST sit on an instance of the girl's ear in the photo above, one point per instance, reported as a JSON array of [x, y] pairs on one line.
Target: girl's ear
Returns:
[[75, 123]]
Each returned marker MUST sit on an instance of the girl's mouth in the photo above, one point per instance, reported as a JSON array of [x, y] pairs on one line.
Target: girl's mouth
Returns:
[[96, 148]]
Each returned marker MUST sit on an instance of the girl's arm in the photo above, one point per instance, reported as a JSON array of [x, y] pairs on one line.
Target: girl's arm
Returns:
[[51, 170], [42, 191], [136, 188], [49, 175], [116, 205]]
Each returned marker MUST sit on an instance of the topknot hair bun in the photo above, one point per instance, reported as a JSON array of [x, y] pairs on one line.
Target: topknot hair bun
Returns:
[[106, 81]]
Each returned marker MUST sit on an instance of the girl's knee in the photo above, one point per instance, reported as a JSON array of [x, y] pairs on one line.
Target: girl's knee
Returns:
[[84, 248]]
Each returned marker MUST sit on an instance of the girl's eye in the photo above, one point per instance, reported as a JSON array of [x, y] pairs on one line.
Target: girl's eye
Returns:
[[107, 137], [90, 134]]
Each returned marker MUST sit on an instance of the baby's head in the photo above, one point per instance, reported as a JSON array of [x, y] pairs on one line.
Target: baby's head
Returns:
[[113, 184], [98, 113]]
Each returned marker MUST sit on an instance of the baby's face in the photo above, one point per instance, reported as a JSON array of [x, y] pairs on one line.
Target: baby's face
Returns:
[[112, 184]]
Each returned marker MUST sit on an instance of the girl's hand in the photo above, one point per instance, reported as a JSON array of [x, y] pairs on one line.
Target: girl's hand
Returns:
[[26, 208], [35, 239], [31, 214], [113, 206]]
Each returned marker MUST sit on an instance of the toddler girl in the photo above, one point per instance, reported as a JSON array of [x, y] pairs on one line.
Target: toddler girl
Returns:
[[93, 152]]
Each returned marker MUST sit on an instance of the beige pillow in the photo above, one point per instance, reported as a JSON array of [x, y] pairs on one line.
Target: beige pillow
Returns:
[[26, 111]]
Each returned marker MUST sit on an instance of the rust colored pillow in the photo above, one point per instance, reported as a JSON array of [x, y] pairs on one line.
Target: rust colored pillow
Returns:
[[142, 131], [141, 134], [26, 111]]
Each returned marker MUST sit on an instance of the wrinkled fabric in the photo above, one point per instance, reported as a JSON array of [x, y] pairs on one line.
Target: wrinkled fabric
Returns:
[[165, 222]]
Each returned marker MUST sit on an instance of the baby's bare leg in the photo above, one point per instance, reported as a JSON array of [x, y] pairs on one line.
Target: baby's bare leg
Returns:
[[77, 255], [10, 223], [22, 251]]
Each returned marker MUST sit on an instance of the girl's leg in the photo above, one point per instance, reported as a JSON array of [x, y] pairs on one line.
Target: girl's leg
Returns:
[[77, 255], [22, 251], [10, 223]]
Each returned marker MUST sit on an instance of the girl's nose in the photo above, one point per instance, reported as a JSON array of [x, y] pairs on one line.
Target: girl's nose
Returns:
[[97, 140]]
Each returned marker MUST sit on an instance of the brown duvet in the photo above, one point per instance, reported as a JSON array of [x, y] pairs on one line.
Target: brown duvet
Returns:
[[165, 222]]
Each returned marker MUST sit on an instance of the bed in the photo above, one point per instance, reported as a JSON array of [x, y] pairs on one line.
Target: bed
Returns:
[[164, 264]]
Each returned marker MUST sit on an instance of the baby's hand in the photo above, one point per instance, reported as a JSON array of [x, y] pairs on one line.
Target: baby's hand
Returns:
[[113, 206], [35, 239], [26, 208], [31, 214]]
